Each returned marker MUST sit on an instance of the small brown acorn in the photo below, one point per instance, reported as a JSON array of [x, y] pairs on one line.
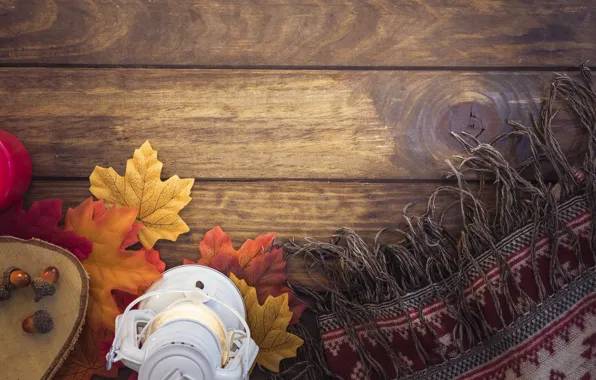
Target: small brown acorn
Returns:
[[39, 322], [50, 274], [19, 278], [14, 277], [44, 285]]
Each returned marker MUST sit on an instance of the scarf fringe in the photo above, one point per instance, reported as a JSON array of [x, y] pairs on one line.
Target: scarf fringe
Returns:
[[430, 256]]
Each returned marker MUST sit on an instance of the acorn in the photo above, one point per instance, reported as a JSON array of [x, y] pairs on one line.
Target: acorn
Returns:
[[40, 322], [14, 277], [44, 285], [50, 274]]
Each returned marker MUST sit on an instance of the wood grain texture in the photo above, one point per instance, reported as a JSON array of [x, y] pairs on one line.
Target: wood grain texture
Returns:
[[305, 33], [265, 124], [292, 209]]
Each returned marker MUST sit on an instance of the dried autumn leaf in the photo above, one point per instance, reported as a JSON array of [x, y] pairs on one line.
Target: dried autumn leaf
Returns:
[[267, 274], [157, 202], [251, 250], [86, 359], [226, 263], [110, 266], [268, 326], [297, 307], [123, 299], [257, 262], [152, 257], [41, 222], [215, 243]]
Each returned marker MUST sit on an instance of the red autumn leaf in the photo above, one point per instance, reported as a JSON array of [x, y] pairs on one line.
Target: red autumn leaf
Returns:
[[88, 357], [75, 244], [86, 360], [297, 307], [266, 273], [152, 257], [215, 243], [41, 222], [217, 252], [123, 299], [258, 262], [252, 250], [131, 238], [226, 263], [103, 350]]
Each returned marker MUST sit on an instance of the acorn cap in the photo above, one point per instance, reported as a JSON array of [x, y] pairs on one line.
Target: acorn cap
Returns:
[[42, 321], [5, 280], [42, 288], [4, 293]]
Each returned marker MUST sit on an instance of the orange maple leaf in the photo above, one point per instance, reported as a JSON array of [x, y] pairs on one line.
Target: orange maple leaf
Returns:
[[217, 243], [151, 255], [110, 266], [259, 262], [252, 250], [84, 360]]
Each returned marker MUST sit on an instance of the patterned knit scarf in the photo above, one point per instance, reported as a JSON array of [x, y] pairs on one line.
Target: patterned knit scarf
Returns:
[[513, 295]]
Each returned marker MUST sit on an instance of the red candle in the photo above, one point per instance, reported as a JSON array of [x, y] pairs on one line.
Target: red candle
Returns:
[[15, 169]]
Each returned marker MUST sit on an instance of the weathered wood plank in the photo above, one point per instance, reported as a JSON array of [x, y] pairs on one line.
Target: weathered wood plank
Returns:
[[305, 33], [264, 124], [292, 209]]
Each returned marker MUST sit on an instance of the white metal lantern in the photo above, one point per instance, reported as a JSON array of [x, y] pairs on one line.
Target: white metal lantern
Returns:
[[190, 325]]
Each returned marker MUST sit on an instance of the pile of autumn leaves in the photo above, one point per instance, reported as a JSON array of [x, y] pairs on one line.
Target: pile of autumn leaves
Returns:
[[139, 207]]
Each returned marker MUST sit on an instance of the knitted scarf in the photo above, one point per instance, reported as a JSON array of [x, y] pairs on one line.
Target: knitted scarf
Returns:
[[511, 295]]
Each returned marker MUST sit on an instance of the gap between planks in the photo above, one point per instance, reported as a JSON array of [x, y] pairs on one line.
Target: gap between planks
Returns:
[[542, 68]]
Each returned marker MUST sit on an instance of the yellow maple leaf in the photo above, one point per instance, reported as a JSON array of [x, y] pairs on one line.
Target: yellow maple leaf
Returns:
[[110, 266], [268, 325], [158, 202]]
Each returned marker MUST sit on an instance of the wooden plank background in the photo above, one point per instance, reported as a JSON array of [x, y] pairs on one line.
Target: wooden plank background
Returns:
[[293, 209], [246, 124], [294, 116], [298, 32]]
